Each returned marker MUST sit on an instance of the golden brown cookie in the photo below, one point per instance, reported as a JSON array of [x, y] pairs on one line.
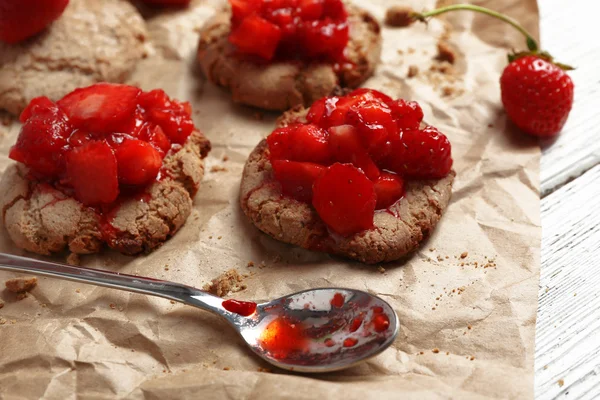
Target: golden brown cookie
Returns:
[[284, 85], [398, 231], [44, 220], [93, 41]]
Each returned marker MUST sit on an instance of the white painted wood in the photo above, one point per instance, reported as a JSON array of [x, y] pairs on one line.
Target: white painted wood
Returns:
[[568, 325], [569, 31]]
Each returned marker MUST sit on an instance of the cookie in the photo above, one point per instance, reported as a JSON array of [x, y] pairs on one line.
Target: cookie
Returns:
[[92, 41], [283, 85], [398, 231], [44, 220]]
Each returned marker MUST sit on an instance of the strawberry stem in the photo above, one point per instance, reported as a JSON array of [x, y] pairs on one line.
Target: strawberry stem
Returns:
[[531, 42]]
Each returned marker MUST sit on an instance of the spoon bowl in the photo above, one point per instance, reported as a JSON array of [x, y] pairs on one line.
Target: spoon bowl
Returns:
[[317, 330]]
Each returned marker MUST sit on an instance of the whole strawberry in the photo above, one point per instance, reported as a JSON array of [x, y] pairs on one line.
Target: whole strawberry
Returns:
[[20, 19], [537, 95]]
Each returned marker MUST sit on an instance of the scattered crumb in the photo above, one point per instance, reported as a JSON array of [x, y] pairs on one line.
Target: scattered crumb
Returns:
[[220, 237], [445, 52], [210, 237], [561, 382], [250, 264], [436, 350], [471, 358], [440, 258], [74, 259], [230, 281], [411, 50], [167, 267], [464, 254], [574, 294], [112, 306], [260, 369], [447, 353], [2, 321], [226, 368], [432, 249], [218, 168], [22, 284], [448, 91], [545, 367], [21, 296], [77, 290], [421, 352], [413, 71], [225, 157], [381, 269], [399, 16], [490, 125], [469, 327]]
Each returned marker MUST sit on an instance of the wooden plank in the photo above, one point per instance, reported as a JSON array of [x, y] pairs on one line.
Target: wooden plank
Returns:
[[570, 40], [568, 324]]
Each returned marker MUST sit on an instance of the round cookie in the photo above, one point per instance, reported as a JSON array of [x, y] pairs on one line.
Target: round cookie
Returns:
[[284, 85], [397, 231], [93, 41], [44, 220]]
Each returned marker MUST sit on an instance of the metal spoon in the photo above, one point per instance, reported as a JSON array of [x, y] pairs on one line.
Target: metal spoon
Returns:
[[318, 330]]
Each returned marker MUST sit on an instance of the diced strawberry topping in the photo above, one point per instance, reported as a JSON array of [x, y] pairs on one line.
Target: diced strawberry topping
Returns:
[[297, 178], [389, 188], [345, 199], [305, 29], [20, 19], [119, 125], [367, 130], [92, 171], [257, 36], [138, 161]]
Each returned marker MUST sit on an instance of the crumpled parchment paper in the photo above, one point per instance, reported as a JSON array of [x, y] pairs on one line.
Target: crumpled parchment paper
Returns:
[[468, 320]]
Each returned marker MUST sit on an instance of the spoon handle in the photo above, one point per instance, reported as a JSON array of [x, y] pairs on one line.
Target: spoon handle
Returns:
[[137, 284]]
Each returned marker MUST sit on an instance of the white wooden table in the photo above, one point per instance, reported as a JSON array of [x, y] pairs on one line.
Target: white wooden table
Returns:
[[567, 359]]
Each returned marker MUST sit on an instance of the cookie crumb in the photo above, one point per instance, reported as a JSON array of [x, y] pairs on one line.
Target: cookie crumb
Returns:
[[464, 254], [413, 71], [166, 267], [490, 125], [226, 368], [218, 168], [545, 367], [229, 281], [225, 157], [421, 352], [381, 269], [22, 284], [260, 369], [561, 382], [250, 264], [399, 16], [112, 306], [447, 353], [436, 350], [469, 327], [172, 301], [220, 237], [77, 290], [445, 52], [2, 321], [448, 91], [74, 259], [471, 358]]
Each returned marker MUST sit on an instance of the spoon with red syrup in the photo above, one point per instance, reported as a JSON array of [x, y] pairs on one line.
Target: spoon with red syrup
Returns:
[[317, 330]]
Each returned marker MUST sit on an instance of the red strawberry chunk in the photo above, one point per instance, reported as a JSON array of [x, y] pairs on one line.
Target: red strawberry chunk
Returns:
[[43, 137], [92, 171], [240, 9], [346, 147], [159, 140], [311, 9], [421, 154], [371, 94], [345, 199], [408, 113], [138, 162], [257, 36], [297, 178], [335, 10], [310, 143], [20, 19], [280, 143], [389, 188], [102, 108], [373, 121], [325, 38]]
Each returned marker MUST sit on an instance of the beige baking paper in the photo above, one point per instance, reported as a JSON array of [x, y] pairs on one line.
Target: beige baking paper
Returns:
[[70, 340]]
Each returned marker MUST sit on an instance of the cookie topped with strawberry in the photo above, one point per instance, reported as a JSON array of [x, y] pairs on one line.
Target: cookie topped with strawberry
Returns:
[[356, 175], [105, 155], [280, 54]]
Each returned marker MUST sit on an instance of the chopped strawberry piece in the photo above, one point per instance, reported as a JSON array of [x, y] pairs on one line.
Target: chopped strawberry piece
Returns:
[[311, 9], [102, 108], [138, 162], [280, 143], [257, 36], [420, 154], [173, 117], [310, 143], [325, 38], [317, 111], [408, 113], [371, 94], [159, 140], [346, 147], [240, 9], [20, 19], [335, 10], [297, 178], [92, 171], [389, 188], [79, 138], [345, 199], [374, 122], [42, 139]]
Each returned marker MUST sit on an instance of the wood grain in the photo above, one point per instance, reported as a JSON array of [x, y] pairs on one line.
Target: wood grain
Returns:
[[569, 31], [568, 325]]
